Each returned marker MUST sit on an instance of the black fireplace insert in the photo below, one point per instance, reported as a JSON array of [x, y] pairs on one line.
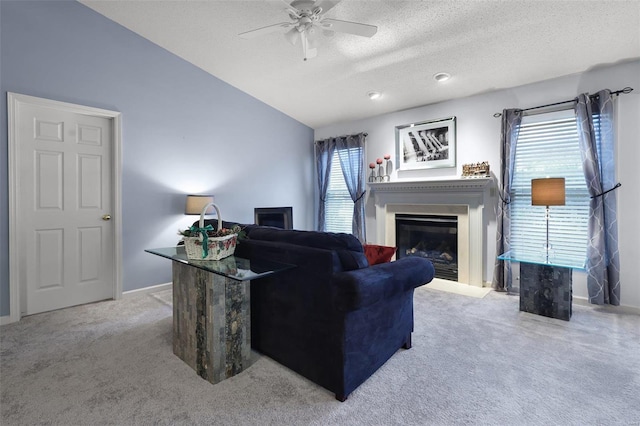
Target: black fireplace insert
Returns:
[[430, 236], [279, 217]]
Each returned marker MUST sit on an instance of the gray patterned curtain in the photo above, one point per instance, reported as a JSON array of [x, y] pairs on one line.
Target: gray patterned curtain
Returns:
[[511, 119], [324, 154], [351, 154], [595, 127]]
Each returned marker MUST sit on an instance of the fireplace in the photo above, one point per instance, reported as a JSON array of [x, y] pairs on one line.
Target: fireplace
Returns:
[[278, 217], [458, 200], [432, 237]]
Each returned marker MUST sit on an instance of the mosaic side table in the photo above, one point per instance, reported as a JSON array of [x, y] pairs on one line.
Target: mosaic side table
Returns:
[[211, 311], [545, 283]]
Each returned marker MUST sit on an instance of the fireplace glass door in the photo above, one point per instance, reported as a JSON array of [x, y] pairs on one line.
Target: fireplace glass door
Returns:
[[433, 237]]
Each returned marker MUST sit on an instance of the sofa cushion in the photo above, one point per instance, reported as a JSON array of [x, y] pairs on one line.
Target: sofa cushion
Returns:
[[347, 247]]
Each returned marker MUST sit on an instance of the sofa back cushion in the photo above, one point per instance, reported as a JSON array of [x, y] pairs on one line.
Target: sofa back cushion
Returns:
[[346, 246]]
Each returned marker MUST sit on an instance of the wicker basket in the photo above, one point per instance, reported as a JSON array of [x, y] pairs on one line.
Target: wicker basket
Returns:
[[218, 247]]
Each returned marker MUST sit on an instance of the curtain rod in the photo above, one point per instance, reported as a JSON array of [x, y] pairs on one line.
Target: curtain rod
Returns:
[[343, 136], [617, 92]]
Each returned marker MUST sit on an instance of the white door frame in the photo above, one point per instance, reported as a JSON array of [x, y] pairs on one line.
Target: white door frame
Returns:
[[13, 101]]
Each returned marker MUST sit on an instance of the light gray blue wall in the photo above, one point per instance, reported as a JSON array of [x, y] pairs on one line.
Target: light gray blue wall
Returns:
[[184, 131]]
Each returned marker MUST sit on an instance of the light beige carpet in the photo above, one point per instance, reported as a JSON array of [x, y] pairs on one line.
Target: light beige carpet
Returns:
[[473, 362]]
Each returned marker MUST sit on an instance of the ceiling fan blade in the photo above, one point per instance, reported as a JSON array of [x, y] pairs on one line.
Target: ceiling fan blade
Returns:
[[327, 5], [265, 30], [280, 4], [355, 28]]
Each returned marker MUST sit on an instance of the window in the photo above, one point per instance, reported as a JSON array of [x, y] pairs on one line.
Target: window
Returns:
[[338, 202], [548, 146]]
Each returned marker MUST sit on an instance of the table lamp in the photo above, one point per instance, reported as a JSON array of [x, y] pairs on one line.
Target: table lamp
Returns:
[[195, 204], [547, 192]]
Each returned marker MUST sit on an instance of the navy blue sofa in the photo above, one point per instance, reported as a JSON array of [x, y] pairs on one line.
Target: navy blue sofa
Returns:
[[333, 319]]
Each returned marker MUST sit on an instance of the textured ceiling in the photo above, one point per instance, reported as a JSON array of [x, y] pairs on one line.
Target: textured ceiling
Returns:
[[484, 45]]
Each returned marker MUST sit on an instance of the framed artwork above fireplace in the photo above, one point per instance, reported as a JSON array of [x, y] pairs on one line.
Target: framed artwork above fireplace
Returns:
[[426, 145]]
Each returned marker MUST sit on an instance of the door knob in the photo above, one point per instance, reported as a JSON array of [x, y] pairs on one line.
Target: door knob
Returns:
[[106, 217]]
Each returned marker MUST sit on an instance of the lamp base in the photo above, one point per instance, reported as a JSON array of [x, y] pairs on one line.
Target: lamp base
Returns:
[[548, 250]]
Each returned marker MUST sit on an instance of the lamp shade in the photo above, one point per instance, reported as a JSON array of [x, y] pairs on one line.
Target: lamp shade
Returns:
[[195, 204], [547, 192]]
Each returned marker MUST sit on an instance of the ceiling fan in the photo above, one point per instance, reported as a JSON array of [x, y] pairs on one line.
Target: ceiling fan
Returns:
[[307, 19]]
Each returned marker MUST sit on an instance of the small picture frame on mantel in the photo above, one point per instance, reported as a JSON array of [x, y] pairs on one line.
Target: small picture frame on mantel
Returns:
[[426, 145]]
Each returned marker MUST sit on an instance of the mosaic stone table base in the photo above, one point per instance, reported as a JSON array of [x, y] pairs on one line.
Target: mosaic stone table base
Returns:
[[546, 290], [211, 322]]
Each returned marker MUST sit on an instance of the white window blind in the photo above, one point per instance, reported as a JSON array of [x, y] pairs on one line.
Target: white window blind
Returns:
[[548, 146], [338, 203]]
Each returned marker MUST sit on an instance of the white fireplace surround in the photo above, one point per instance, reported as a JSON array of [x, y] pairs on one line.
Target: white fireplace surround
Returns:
[[462, 198]]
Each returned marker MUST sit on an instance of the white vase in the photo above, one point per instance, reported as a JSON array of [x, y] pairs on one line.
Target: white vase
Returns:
[[389, 167]]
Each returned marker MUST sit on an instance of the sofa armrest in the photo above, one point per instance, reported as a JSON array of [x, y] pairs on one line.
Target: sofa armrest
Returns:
[[353, 290]]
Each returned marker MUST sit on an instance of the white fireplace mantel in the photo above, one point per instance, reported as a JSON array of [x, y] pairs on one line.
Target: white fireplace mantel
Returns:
[[463, 198], [464, 185]]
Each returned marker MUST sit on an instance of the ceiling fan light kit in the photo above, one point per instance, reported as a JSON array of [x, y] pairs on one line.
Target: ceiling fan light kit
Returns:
[[307, 16]]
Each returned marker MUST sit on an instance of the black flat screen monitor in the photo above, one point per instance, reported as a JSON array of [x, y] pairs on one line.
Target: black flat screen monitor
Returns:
[[278, 217]]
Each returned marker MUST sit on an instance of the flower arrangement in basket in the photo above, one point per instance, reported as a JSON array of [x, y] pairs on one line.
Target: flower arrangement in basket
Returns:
[[205, 243]]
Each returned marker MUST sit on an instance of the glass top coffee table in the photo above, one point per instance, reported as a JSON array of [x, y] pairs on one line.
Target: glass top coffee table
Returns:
[[236, 268], [539, 257]]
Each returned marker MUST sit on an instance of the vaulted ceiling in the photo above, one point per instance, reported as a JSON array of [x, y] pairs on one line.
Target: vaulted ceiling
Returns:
[[484, 45]]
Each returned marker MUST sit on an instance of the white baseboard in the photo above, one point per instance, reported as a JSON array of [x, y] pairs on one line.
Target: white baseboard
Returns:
[[5, 320], [622, 309], [166, 286], [159, 287]]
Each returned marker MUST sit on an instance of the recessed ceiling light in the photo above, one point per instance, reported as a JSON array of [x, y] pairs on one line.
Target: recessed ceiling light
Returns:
[[441, 76], [374, 95]]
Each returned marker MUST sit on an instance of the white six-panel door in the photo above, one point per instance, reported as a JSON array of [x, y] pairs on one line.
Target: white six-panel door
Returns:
[[65, 234]]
